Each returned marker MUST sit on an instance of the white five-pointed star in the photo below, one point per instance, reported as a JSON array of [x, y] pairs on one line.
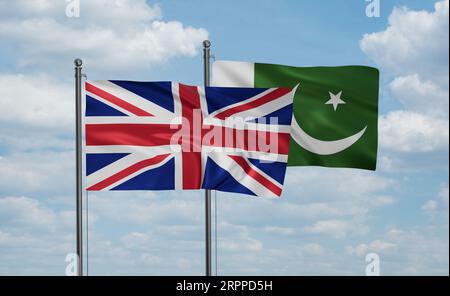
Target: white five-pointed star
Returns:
[[335, 100]]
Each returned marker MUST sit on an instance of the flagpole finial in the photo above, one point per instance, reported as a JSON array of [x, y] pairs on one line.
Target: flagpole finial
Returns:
[[78, 62], [207, 44]]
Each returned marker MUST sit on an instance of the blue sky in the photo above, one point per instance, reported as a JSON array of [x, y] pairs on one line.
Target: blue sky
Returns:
[[327, 220]]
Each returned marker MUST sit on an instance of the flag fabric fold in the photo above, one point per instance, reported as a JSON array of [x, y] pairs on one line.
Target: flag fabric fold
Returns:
[[167, 135], [335, 109]]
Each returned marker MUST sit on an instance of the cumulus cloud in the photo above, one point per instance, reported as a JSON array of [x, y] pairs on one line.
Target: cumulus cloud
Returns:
[[50, 172], [414, 42], [21, 211], [118, 10], [418, 251], [120, 35], [148, 207], [422, 252], [30, 231], [36, 102], [420, 95], [406, 131], [413, 51]]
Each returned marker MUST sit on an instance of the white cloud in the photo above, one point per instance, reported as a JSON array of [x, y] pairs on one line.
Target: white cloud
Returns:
[[118, 11], [36, 102], [406, 131], [380, 201], [414, 42], [50, 172], [313, 249], [148, 207], [414, 251], [349, 184], [413, 51], [237, 238], [279, 230], [418, 252], [248, 244], [31, 231], [377, 246], [43, 36], [21, 211], [444, 196], [439, 205], [420, 95], [430, 205], [336, 228]]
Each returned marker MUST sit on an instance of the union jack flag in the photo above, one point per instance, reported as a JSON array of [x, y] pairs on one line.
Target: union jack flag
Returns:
[[167, 135]]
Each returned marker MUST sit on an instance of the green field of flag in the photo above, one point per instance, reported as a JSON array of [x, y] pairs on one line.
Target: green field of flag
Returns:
[[335, 109]]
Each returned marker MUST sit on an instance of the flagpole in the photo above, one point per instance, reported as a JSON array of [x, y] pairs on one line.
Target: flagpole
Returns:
[[79, 202], [206, 60]]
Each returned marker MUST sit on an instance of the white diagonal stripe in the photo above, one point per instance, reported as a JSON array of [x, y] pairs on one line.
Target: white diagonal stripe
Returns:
[[267, 108], [132, 98], [238, 173], [130, 176], [251, 99], [145, 151], [261, 155], [114, 168], [106, 102], [131, 120]]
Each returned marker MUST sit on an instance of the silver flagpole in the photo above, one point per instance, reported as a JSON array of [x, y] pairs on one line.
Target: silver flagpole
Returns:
[[79, 202], [206, 60]]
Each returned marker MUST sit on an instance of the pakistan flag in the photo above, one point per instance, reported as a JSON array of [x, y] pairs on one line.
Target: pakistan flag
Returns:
[[335, 109]]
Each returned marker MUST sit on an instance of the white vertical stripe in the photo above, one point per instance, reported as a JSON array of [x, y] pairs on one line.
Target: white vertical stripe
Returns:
[[178, 171], [176, 99], [203, 103], [233, 74]]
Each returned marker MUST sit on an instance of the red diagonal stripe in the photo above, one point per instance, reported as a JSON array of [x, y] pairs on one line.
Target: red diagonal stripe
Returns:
[[255, 175], [129, 134], [128, 171], [115, 100], [279, 92]]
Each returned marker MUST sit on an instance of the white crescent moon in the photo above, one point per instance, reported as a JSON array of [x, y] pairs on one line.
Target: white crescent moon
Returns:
[[322, 147]]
